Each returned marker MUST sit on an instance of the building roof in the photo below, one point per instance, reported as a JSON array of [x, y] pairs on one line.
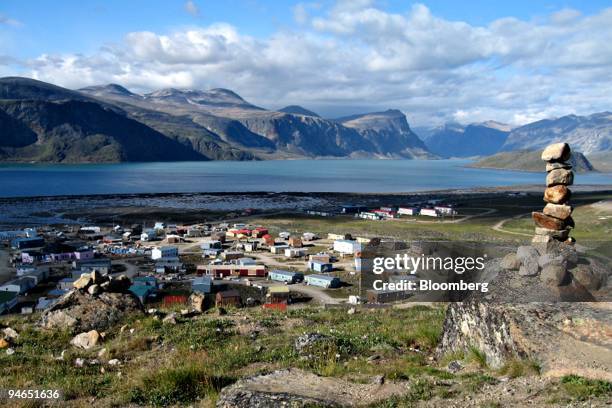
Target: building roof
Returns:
[[229, 293], [319, 262], [144, 279], [322, 277], [285, 273], [141, 290], [7, 296], [203, 280], [275, 290]]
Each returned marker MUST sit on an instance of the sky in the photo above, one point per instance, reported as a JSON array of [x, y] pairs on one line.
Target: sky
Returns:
[[437, 61]]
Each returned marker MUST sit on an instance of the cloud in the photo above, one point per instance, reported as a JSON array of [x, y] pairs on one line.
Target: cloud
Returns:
[[192, 8], [357, 56], [4, 20]]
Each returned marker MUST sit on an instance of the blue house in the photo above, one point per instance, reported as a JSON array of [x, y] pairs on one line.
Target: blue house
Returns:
[[324, 281], [25, 243], [142, 292], [320, 266], [202, 284], [286, 276], [145, 281]]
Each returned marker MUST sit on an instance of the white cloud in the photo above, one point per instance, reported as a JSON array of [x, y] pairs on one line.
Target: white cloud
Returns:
[[192, 8], [356, 54], [5, 20]]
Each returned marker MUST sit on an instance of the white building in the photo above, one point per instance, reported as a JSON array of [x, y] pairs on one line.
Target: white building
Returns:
[[148, 235], [278, 249], [164, 252], [445, 210], [284, 235], [429, 212], [20, 285], [345, 246], [294, 252], [408, 211]]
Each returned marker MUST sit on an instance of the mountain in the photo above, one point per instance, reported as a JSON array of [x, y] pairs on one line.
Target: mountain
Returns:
[[298, 110], [529, 160], [588, 134], [477, 139]]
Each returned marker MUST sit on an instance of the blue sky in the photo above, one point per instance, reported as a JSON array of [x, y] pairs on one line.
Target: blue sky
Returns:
[[431, 59]]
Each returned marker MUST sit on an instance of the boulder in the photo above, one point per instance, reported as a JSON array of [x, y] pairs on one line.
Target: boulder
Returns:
[[299, 389], [93, 289], [96, 277], [557, 165], [546, 221], [79, 311], [10, 333], [557, 234], [559, 177], [197, 302], [560, 211], [4, 344], [547, 258], [585, 275], [510, 262], [83, 282], [528, 256], [557, 152], [557, 194], [86, 340], [554, 273], [305, 343], [170, 319]]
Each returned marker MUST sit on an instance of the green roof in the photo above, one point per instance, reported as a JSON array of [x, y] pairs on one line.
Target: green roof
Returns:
[[7, 296]]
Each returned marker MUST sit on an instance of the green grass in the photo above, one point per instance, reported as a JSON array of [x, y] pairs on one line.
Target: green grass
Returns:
[[582, 389]]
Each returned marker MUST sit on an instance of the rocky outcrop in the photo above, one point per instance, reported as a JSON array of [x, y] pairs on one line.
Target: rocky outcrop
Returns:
[[297, 388], [82, 309], [562, 338]]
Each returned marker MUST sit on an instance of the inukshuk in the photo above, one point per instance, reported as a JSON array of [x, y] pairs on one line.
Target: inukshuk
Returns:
[[555, 221]]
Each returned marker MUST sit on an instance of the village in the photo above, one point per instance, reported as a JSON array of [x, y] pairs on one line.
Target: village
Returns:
[[229, 264]]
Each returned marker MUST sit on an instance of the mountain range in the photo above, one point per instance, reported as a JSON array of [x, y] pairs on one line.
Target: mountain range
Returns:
[[41, 122]]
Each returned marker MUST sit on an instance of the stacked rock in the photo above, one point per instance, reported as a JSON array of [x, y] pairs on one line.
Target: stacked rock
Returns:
[[555, 221]]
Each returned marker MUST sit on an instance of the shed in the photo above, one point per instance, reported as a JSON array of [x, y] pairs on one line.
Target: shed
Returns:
[[286, 276], [295, 242], [142, 292], [228, 298], [277, 294], [320, 266], [203, 284], [278, 249], [324, 281]]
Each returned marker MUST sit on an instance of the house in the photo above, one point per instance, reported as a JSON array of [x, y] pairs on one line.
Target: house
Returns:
[[324, 281], [159, 226], [65, 283], [429, 212], [145, 281], [164, 252], [323, 257], [102, 265], [27, 243], [352, 209], [250, 246], [19, 285], [259, 232], [203, 284], [221, 271], [278, 294], [320, 266], [45, 303], [23, 270], [246, 261], [11, 235], [284, 235], [39, 275], [55, 293], [218, 236], [148, 235], [168, 265], [268, 240], [385, 213], [173, 239], [228, 298], [142, 292], [286, 276], [210, 253], [278, 249], [386, 296], [345, 246], [8, 300], [295, 242], [445, 210], [294, 252], [212, 244], [309, 236], [408, 211]]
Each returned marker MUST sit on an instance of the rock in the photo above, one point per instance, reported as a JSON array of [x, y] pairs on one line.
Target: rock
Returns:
[[510, 262], [528, 256], [96, 277], [546, 221], [196, 302], [123, 328], [79, 362], [351, 311], [10, 333], [93, 289], [557, 165], [557, 152], [534, 331], [299, 389], [119, 284], [540, 240], [560, 211], [373, 357], [221, 311], [114, 362], [557, 248], [170, 319], [152, 311], [82, 282], [557, 234], [554, 273], [454, 366], [379, 379], [80, 311], [4, 344], [305, 342], [102, 352], [559, 176], [86, 340], [10, 351], [584, 275], [184, 312], [557, 194], [548, 258]]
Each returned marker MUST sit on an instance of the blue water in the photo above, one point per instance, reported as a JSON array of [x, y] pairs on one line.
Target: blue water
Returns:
[[361, 176]]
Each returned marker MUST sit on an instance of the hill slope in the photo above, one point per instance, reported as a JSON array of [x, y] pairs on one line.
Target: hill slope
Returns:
[[529, 160], [454, 140]]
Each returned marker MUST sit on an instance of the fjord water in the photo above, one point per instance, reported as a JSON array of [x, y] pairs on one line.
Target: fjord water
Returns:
[[359, 176]]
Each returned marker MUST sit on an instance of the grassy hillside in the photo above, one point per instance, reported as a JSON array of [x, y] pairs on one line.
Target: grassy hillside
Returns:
[[529, 160]]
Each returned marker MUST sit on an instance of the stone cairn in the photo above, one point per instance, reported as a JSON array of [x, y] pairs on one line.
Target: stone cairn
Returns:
[[555, 222]]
